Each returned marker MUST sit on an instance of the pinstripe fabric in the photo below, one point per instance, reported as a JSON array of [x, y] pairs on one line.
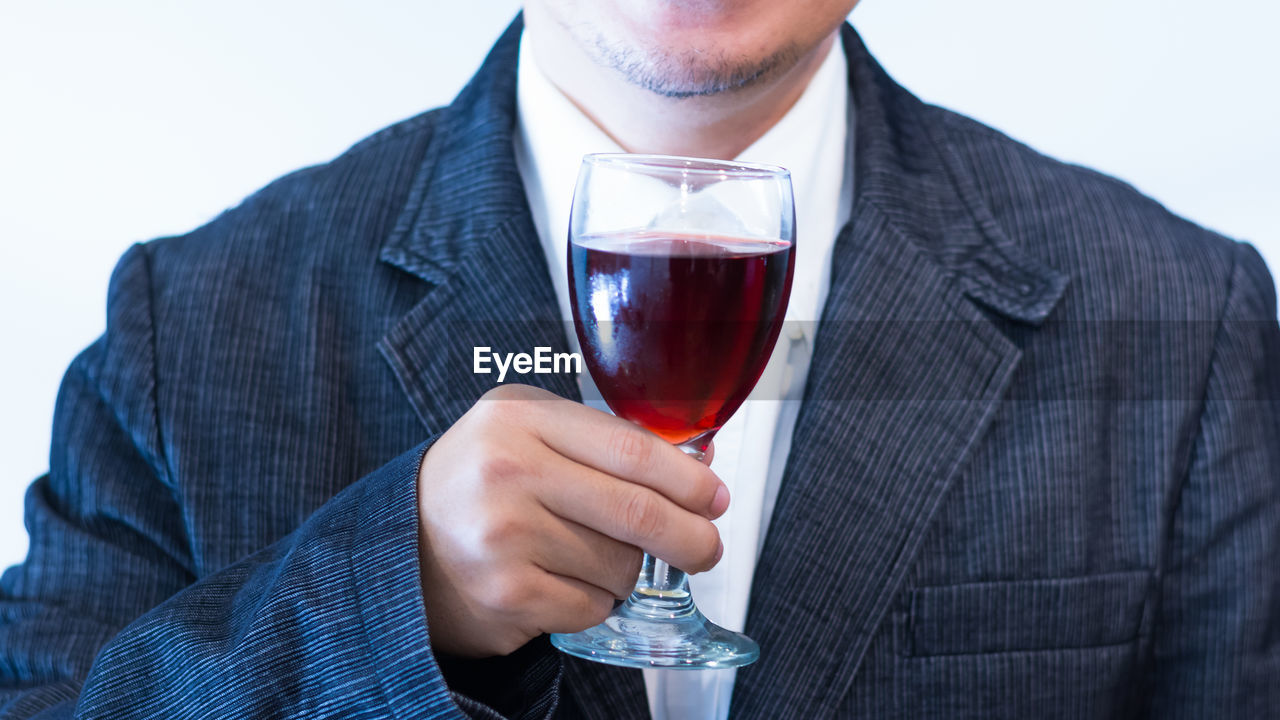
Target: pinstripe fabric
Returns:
[[1035, 474]]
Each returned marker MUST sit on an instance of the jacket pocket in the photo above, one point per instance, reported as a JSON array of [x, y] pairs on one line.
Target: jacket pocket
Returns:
[[1025, 615]]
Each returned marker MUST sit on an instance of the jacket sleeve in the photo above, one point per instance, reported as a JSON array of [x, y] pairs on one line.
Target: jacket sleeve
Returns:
[[1217, 633], [107, 619]]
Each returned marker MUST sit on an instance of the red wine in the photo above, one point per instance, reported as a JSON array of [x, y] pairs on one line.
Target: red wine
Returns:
[[676, 329]]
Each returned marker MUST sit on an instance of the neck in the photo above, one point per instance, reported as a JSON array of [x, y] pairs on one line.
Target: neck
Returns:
[[642, 121]]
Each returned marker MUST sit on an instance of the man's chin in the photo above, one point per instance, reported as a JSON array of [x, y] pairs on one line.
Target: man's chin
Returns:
[[693, 75], [690, 85]]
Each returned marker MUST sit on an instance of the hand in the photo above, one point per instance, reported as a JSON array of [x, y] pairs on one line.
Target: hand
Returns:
[[534, 510]]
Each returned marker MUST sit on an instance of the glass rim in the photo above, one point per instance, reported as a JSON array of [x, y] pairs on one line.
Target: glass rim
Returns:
[[687, 164]]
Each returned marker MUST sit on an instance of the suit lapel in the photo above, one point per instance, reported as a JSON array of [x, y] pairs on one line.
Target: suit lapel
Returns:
[[905, 379], [467, 232], [907, 374], [431, 348]]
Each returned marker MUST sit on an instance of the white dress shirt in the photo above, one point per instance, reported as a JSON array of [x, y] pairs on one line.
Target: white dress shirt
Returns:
[[812, 141]]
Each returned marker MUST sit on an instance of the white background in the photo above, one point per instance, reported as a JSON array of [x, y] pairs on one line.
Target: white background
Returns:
[[128, 120]]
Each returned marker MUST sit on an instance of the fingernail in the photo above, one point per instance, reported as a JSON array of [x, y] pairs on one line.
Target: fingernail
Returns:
[[719, 554], [720, 502]]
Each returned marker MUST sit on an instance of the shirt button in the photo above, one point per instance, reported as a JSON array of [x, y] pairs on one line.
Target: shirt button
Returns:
[[796, 331]]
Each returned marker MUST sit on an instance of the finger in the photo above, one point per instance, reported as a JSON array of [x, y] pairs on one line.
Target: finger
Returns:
[[624, 450], [574, 550], [569, 605], [630, 513], [709, 454]]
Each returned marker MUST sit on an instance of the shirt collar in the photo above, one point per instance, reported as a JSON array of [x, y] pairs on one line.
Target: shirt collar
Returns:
[[810, 140]]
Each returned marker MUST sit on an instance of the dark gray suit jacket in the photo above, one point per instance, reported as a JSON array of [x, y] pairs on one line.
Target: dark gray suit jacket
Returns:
[[1035, 475]]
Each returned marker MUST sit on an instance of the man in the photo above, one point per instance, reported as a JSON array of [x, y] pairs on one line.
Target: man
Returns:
[[1034, 475]]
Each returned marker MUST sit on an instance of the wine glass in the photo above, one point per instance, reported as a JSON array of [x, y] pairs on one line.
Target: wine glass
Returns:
[[679, 274]]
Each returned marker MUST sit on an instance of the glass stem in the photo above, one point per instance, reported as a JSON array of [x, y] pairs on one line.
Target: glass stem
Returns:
[[692, 450], [656, 575], [661, 591]]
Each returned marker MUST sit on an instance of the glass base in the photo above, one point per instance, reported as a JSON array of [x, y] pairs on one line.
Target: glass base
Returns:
[[660, 629]]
